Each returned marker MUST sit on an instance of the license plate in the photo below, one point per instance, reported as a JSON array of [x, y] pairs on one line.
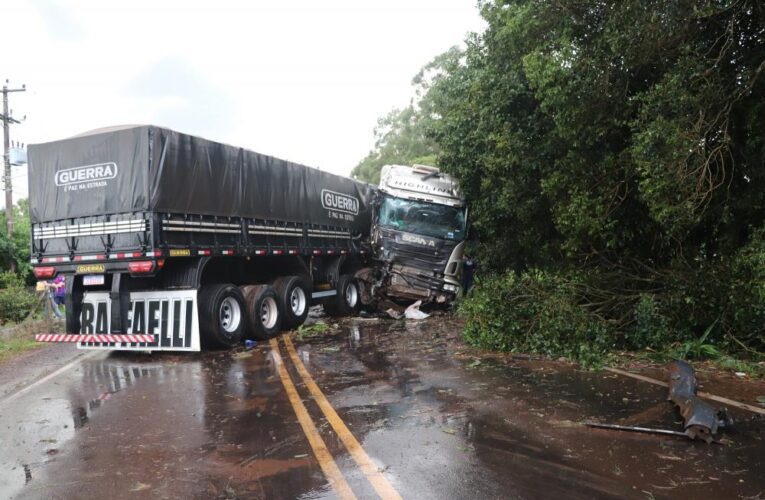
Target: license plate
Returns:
[[93, 279]]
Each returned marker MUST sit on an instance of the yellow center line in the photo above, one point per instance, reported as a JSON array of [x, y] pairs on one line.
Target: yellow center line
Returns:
[[324, 457], [370, 470]]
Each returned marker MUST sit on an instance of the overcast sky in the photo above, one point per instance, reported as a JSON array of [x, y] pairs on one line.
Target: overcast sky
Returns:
[[300, 80]]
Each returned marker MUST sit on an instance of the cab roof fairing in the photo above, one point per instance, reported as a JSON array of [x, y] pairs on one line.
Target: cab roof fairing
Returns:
[[415, 184]]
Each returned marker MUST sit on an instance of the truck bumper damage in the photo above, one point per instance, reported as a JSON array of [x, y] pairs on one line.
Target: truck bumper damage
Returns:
[[404, 283]]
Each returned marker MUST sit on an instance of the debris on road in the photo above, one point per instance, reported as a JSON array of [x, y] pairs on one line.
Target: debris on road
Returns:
[[635, 428], [701, 420], [394, 314], [413, 311]]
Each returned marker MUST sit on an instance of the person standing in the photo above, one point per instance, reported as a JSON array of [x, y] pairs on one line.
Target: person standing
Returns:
[[52, 286], [468, 270], [60, 291]]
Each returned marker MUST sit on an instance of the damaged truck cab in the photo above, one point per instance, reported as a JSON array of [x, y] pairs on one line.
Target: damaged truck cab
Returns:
[[419, 229]]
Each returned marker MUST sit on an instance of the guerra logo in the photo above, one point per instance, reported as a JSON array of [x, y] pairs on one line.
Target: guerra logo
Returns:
[[87, 173], [340, 202]]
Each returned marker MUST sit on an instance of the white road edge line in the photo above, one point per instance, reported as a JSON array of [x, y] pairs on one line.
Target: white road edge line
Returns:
[[80, 358]]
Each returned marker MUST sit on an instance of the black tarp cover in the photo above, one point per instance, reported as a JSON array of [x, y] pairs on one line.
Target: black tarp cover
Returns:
[[149, 168]]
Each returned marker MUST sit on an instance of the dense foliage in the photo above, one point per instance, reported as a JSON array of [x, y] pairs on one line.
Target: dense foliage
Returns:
[[16, 299], [15, 251], [614, 157]]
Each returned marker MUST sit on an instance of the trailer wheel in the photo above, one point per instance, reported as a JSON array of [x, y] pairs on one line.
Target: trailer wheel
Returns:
[[221, 315], [294, 297], [347, 300], [263, 311]]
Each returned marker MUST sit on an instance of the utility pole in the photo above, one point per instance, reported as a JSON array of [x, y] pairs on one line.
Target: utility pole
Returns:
[[7, 120]]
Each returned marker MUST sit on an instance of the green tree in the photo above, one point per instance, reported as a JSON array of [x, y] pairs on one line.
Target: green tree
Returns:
[[618, 147], [399, 140], [17, 248]]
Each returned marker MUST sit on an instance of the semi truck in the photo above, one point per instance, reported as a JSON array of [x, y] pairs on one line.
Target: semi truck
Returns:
[[168, 241]]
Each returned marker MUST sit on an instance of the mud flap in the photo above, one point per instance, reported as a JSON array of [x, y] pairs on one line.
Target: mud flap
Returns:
[[170, 316]]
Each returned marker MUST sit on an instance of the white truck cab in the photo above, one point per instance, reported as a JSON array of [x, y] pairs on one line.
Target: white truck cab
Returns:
[[418, 233]]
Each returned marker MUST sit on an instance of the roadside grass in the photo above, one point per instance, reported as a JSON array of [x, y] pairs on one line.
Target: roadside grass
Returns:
[[11, 348], [751, 368], [18, 338]]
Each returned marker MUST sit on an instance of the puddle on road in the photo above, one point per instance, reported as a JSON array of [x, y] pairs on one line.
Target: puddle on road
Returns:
[[491, 414], [198, 426], [440, 422]]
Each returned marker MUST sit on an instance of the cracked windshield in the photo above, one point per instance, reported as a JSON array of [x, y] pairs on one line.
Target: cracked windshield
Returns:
[[428, 219]]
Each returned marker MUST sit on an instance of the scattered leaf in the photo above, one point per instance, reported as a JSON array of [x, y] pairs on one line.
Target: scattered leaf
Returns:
[[139, 486]]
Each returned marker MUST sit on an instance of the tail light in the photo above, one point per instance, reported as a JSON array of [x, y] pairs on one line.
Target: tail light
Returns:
[[141, 266], [44, 273]]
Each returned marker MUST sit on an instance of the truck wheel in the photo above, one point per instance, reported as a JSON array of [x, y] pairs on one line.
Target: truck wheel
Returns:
[[263, 311], [294, 295], [347, 300], [221, 315]]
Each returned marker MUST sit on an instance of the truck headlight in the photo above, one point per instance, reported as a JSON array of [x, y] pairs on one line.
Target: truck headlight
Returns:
[[450, 288]]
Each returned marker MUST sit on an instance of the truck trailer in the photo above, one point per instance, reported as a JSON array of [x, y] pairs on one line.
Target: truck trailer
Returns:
[[172, 242]]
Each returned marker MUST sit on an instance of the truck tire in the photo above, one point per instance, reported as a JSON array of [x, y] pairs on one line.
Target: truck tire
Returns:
[[294, 296], [347, 300], [222, 318], [264, 314]]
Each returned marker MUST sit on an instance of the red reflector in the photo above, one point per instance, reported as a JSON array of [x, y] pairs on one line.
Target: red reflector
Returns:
[[45, 272], [141, 266]]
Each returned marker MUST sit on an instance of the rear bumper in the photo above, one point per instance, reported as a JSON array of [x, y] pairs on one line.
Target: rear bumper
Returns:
[[142, 320], [70, 337]]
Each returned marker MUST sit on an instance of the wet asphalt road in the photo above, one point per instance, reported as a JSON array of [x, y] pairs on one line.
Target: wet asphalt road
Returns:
[[435, 420]]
